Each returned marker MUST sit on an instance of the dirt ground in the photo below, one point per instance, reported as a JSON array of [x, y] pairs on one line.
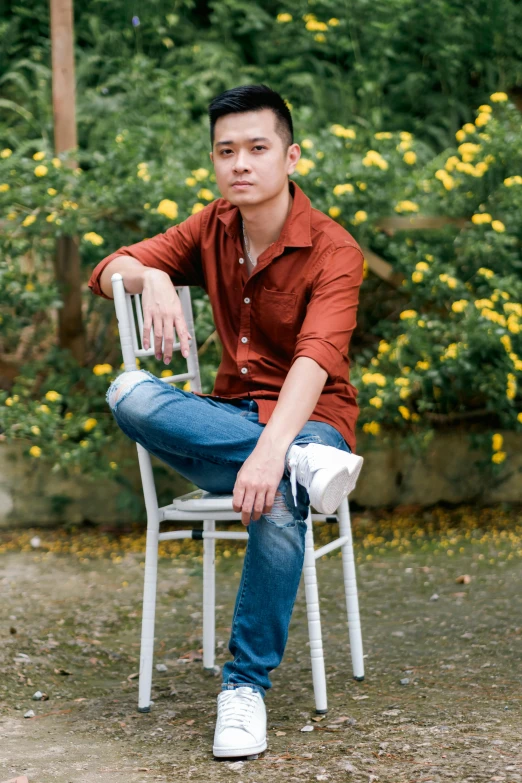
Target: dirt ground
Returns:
[[442, 619]]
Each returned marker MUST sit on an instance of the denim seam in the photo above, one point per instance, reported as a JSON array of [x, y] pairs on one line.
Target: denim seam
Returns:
[[246, 567]]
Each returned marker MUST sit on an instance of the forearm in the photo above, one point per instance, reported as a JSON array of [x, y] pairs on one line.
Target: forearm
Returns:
[[298, 397], [132, 271]]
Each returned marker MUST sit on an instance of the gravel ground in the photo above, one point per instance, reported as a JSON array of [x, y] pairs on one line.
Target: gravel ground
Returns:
[[441, 615]]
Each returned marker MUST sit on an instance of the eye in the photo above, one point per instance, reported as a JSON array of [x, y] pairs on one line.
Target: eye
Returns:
[[259, 147]]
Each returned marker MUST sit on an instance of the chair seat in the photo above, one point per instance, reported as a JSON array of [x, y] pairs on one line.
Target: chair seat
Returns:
[[201, 500]]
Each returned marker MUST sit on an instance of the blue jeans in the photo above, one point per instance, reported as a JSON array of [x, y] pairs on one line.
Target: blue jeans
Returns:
[[207, 440]]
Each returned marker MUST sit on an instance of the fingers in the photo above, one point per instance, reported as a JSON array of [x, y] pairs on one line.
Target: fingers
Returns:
[[251, 503], [183, 334]]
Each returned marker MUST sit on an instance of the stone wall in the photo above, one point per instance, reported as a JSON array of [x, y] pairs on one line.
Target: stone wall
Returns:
[[30, 494]]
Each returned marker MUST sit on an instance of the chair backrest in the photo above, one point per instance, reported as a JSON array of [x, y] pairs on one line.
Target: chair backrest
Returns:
[[130, 326]]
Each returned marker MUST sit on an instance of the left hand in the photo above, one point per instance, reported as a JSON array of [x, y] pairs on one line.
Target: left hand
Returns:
[[257, 483]]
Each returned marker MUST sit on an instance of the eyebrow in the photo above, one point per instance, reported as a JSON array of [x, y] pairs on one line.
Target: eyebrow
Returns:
[[228, 143]]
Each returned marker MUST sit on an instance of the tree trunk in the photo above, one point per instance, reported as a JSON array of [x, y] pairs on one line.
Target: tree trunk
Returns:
[[71, 333]]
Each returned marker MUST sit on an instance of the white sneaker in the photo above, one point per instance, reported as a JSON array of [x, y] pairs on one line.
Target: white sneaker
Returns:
[[327, 473], [241, 723]]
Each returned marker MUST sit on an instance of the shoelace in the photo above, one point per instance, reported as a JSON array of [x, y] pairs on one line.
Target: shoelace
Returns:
[[299, 468], [236, 706]]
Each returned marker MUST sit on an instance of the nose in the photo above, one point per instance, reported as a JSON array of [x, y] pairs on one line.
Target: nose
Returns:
[[241, 163]]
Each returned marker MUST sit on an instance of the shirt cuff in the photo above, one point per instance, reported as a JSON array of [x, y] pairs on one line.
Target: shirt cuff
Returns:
[[326, 354]]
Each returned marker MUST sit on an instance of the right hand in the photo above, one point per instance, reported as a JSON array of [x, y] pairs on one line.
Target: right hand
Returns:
[[162, 309]]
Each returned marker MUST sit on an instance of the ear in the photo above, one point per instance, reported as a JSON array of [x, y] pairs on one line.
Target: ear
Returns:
[[211, 157], [293, 155]]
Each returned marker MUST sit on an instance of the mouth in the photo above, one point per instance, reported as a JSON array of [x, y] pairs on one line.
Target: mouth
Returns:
[[242, 185]]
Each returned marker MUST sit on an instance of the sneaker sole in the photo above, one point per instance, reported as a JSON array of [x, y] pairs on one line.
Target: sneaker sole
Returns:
[[327, 490], [229, 753]]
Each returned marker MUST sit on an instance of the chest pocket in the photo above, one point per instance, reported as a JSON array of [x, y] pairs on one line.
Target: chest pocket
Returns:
[[275, 319]]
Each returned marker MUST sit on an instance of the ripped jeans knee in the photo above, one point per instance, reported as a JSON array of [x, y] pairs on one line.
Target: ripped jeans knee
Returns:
[[123, 385], [284, 512]]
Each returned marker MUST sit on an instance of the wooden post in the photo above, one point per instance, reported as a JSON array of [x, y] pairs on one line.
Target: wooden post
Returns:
[[71, 334]]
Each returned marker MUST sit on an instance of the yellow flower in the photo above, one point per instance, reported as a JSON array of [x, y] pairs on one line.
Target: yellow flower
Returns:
[[186, 386], [408, 314], [41, 171], [384, 347], [166, 373], [406, 206], [339, 190], [57, 163], [52, 191], [200, 174], [496, 441], [320, 37], [119, 138], [206, 194], [113, 465], [89, 424], [168, 208], [498, 457], [417, 277], [402, 381], [39, 156], [451, 163], [519, 417], [403, 410], [6, 153], [468, 128], [9, 401], [11, 215], [460, 135], [383, 135], [422, 266], [374, 158], [51, 217], [35, 451], [459, 306], [374, 377], [410, 158], [485, 108], [334, 212], [498, 226], [102, 369], [29, 220], [84, 444], [333, 22], [4, 187], [481, 217], [307, 144], [516, 180], [198, 206], [362, 185], [376, 402], [482, 119], [319, 154], [191, 181], [53, 396], [284, 17], [485, 272], [373, 427], [360, 217], [422, 365], [304, 166], [93, 238], [498, 97], [314, 26], [36, 430]]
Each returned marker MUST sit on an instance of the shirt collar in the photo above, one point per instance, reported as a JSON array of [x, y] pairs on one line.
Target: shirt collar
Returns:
[[296, 231]]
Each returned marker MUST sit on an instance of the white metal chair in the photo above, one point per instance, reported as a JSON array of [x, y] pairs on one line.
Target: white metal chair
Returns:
[[210, 508]]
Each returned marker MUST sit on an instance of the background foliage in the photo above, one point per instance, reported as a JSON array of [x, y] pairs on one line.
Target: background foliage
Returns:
[[378, 92]]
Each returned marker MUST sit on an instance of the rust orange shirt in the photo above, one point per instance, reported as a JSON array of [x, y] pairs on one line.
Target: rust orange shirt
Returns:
[[300, 300]]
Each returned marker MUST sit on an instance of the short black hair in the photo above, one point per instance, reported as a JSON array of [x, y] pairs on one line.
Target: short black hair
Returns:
[[252, 97]]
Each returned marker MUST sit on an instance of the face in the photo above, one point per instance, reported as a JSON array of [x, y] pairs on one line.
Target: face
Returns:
[[248, 149]]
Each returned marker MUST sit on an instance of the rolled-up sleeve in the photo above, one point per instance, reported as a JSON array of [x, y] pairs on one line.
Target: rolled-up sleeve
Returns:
[[331, 314], [177, 252]]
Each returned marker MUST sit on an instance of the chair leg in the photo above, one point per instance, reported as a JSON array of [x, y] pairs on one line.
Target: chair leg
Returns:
[[350, 590], [314, 621], [209, 596], [150, 581]]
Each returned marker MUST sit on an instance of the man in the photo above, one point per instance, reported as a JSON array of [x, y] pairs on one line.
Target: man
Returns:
[[278, 430]]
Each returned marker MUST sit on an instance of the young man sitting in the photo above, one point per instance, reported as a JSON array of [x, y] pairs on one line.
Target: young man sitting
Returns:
[[278, 429]]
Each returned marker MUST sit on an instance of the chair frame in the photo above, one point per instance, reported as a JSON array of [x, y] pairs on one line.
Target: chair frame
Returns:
[[210, 509]]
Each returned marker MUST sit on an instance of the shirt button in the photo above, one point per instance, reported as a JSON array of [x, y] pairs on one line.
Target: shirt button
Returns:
[[244, 339], [241, 260], [244, 370], [246, 300]]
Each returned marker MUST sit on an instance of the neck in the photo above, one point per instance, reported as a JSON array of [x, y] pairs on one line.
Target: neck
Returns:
[[264, 222]]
